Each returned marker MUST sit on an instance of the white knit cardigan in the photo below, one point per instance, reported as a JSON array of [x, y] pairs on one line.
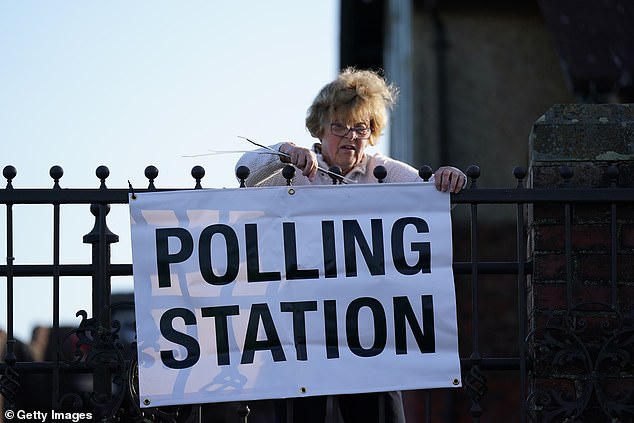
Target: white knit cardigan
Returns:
[[266, 170]]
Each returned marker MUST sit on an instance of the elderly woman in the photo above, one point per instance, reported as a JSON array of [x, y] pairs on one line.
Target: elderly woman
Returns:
[[347, 115]]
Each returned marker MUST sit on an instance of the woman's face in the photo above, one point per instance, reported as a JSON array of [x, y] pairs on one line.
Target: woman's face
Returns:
[[344, 145]]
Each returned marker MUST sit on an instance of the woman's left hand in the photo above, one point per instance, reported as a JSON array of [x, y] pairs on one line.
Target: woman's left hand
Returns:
[[449, 178]]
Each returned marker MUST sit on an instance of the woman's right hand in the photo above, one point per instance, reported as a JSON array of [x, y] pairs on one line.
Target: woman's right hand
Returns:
[[302, 158]]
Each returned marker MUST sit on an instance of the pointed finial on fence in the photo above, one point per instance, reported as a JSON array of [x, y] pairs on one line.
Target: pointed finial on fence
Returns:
[[566, 173], [242, 173], [198, 173], [151, 172], [102, 173], [56, 172], [288, 172], [380, 172], [9, 172], [520, 173], [425, 172], [473, 173]]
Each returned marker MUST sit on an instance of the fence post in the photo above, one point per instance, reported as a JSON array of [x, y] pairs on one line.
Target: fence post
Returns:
[[581, 288], [100, 238], [10, 378]]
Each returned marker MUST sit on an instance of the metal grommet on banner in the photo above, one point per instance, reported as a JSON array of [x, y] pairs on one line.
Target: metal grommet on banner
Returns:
[[146, 401], [303, 390], [291, 191], [456, 382]]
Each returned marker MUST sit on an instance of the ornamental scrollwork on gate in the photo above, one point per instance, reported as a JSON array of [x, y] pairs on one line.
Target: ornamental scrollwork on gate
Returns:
[[583, 366], [106, 347]]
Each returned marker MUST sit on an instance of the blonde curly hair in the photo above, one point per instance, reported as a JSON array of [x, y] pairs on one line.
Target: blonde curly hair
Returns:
[[355, 96]]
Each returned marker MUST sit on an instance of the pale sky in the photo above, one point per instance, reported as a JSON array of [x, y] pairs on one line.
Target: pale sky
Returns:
[[134, 83]]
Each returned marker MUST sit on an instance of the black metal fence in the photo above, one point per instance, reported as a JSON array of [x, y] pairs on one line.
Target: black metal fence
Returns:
[[91, 368]]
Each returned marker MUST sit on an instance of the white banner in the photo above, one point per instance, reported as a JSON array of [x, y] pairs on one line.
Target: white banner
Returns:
[[256, 293]]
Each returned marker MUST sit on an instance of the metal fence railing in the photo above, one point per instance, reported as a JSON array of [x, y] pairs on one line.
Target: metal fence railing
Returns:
[[91, 367]]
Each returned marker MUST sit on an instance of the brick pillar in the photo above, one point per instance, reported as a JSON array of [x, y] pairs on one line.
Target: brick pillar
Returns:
[[580, 320]]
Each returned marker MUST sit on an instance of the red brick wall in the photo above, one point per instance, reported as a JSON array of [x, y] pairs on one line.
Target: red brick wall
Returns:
[[580, 318]]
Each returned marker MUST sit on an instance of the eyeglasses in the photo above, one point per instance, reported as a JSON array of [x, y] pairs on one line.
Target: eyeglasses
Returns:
[[363, 132]]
